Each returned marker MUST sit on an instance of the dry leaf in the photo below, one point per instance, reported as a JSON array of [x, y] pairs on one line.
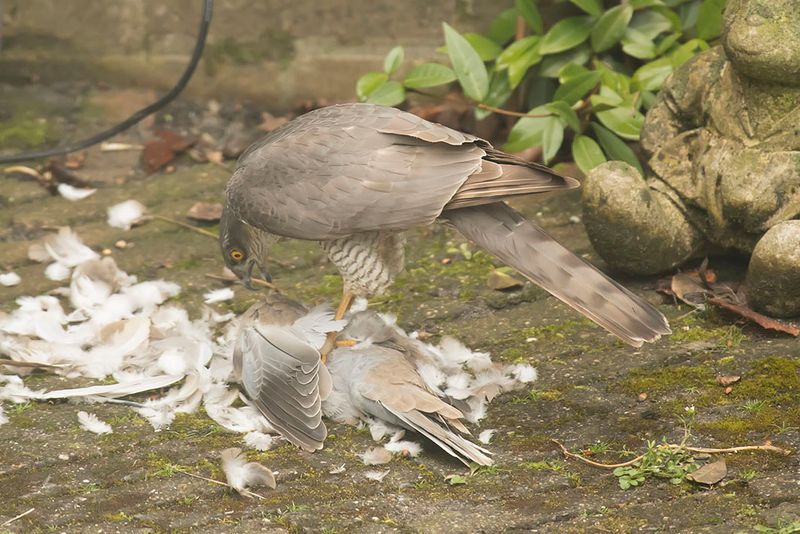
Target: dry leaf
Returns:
[[75, 161], [688, 289], [642, 397], [205, 211], [727, 380], [499, 281], [710, 474]]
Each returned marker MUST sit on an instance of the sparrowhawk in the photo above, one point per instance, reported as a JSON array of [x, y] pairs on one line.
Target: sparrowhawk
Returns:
[[354, 176]]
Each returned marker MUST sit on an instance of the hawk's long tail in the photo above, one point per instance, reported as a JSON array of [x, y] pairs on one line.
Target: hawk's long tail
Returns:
[[524, 246]]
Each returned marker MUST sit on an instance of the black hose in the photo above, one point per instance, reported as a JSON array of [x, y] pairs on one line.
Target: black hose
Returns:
[[139, 115]]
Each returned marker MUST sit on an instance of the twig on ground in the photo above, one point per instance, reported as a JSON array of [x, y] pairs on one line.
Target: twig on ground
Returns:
[[35, 365], [218, 482], [569, 454], [185, 225], [23, 514], [256, 281], [707, 450]]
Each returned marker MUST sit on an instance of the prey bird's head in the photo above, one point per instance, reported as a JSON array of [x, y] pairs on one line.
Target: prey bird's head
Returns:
[[244, 247]]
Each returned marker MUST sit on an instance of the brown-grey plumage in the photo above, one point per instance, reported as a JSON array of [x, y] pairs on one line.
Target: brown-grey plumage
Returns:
[[382, 382], [353, 176], [281, 374]]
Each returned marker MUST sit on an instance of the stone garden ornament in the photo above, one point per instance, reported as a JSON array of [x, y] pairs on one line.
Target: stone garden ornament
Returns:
[[723, 142], [355, 176]]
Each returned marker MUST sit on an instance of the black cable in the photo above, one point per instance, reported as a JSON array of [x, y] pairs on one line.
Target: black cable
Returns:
[[139, 115]]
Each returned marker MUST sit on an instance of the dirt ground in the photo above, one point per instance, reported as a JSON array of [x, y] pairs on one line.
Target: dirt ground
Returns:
[[590, 394]]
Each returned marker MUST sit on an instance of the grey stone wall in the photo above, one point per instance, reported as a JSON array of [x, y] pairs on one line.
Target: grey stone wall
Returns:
[[275, 52]]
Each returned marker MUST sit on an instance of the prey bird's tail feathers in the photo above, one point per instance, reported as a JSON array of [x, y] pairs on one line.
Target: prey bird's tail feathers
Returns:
[[524, 246], [439, 433]]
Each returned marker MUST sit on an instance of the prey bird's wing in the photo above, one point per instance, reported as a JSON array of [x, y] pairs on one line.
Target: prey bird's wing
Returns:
[[285, 380], [359, 167], [394, 383]]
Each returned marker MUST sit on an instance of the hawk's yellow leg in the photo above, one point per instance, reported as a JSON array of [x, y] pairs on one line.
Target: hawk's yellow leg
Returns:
[[341, 311]]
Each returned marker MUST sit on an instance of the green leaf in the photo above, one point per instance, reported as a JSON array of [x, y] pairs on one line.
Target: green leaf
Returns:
[[529, 12], [688, 13], [390, 93], [592, 7], [566, 113], [638, 45], [641, 4], [667, 42], [651, 76], [486, 48], [429, 75], [515, 51], [469, 67], [650, 23], [393, 60], [456, 480], [568, 72], [552, 137], [614, 147], [709, 19], [587, 155], [370, 81], [625, 122], [566, 34], [610, 27], [519, 57], [551, 65], [527, 131], [687, 51], [504, 26], [499, 91], [574, 89]]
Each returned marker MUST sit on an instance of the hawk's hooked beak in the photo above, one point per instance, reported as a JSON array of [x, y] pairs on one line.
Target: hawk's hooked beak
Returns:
[[247, 276]]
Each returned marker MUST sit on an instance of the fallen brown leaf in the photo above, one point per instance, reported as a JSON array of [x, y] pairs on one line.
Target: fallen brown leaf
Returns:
[[205, 211], [642, 397], [727, 380], [710, 474], [159, 152], [687, 288]]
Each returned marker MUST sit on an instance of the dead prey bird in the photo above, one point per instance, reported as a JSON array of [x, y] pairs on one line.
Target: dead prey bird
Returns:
[[280, 372], [354, 176]]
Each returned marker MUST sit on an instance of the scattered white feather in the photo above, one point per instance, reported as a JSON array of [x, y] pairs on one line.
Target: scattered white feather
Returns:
[[74, 193], [377, 476], [57, 272], [90, 422], [10, 279], [259, 441], [379, 429], [125, 214], [66, 248], [404, 448], [241, 474], [486, 436], [337, 470], [4, 417], [525, 373], [218, 295], [376, 456]]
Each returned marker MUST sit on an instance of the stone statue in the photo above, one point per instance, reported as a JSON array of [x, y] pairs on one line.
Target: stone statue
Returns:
[[723, 141]]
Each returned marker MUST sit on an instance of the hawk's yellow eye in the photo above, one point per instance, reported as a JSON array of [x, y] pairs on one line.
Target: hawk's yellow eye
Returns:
[[236, 254]]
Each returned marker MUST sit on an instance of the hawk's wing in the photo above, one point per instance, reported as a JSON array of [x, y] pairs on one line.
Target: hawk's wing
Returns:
[[358, 167]]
